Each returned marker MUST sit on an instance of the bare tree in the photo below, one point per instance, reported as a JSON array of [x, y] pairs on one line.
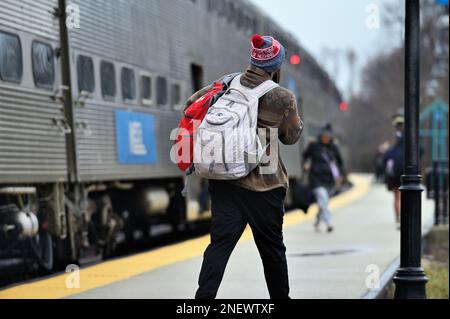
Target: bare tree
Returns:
[[351, 62], [382, 84]]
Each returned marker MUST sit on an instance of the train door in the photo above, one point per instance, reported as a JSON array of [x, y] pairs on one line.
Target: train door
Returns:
[[196, 77], [198, 196], [291, 153]]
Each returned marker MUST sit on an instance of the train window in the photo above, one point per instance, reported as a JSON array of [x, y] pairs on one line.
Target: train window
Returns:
[[85, 71], [244, 20], [210, 5], [241, 19], [161, 90], [231, 14], [300, 105], [128, 84], [146, 89], [221, 7], [43, 65], [11, 67], [196, 77], [254, 25], [175, 93], [108, 79], [248, 23]]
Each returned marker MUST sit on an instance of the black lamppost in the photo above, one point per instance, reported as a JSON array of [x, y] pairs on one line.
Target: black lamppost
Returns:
[[410, 279]]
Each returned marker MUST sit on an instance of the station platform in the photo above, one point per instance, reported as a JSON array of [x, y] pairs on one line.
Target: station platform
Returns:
[[341, 264]]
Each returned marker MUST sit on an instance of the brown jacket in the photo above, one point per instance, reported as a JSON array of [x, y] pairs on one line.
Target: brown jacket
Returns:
[[277, 109]]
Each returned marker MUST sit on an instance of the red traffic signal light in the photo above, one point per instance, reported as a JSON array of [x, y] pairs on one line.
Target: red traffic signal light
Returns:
[[343, 106], [295, 59]]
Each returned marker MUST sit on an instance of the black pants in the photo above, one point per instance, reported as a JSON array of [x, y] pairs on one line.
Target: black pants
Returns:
[[232, 208]]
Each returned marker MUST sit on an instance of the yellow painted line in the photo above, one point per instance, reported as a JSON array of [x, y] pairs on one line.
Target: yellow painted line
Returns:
[[120, 269]]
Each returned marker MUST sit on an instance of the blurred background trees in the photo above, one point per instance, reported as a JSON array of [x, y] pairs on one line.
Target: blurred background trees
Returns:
[[368, 119]]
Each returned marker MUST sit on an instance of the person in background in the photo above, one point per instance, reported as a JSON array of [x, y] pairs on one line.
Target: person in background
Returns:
[[393, 164], [323, 162], [379, 163]]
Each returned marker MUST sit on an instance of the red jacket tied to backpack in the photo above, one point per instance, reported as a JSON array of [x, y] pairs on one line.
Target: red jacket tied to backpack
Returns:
[[193, 116]]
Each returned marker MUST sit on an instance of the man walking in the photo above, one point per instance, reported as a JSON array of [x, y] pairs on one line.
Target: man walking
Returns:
[[324, 163], [258, 198]]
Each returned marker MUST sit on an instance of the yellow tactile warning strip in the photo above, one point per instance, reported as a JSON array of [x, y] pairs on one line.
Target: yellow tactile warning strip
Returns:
[[120, 269]]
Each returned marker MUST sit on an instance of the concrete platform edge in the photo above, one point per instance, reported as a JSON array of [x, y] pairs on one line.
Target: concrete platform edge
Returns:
[[389, 273]]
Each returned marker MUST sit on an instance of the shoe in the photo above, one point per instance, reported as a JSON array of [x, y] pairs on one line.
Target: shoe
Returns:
[[330, 229], [317, 227]]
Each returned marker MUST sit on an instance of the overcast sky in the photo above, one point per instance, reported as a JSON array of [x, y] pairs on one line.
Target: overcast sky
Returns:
[[337, 25]]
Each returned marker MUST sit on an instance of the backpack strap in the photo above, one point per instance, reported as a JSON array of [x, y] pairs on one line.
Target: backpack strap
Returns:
[[226, 81], [236, 83], [258, 91], [226, 84], [264, 88]]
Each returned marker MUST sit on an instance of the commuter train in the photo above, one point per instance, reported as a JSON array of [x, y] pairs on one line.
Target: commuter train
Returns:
[[90, 91]]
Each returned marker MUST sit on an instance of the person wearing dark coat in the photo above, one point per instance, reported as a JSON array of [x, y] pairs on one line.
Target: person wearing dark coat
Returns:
[[393, 163], [324, 164]]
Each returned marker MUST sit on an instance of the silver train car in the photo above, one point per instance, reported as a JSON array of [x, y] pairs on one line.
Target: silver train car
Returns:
[[90, 91]]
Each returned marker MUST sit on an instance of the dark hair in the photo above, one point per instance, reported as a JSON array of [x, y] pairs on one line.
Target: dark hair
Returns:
[[327, 130]]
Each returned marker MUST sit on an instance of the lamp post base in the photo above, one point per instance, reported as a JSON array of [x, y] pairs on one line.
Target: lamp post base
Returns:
[[410, 283]]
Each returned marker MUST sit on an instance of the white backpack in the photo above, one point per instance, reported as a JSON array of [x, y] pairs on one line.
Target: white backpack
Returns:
[[226, 144]]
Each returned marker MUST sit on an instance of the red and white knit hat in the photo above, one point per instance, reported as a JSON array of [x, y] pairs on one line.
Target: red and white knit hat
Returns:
[[267, 53]]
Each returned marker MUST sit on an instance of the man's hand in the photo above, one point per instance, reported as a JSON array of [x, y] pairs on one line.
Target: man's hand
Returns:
[[306, 167]]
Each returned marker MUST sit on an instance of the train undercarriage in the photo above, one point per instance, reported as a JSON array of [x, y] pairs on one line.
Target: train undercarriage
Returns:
[[45, 227]]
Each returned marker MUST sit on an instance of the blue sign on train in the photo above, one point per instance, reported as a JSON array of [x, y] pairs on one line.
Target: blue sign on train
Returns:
[[136, 138]]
